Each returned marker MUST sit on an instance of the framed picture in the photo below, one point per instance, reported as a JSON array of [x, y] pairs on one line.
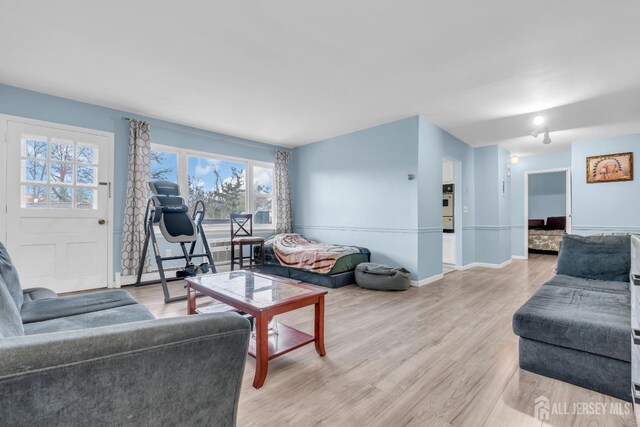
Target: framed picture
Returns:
[[610, 168]]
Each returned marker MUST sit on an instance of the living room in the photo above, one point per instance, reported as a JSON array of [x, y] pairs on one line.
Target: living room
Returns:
[[325, 151]]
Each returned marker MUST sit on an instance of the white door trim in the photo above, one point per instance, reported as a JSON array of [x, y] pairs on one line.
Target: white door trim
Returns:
[[567, 172], [110, 137]]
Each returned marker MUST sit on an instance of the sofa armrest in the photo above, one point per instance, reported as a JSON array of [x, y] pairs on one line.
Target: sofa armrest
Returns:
[[32, 294], [180, 371]]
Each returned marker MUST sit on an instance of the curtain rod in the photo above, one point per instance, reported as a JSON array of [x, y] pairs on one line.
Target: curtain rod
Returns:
[[206, 134]]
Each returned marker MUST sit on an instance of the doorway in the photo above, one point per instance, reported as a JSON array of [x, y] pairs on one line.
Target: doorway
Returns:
[[58, 223], [451, 215], [547, 209]]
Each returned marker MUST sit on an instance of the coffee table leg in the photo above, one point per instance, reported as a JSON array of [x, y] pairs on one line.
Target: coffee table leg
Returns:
[[319, 326], [262, 350], [191, 300]]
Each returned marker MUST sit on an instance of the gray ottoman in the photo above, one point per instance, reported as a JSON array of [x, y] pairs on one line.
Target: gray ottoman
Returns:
[[382, 278]]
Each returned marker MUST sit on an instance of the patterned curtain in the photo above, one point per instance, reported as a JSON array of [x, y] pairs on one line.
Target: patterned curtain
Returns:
[[284, 218], [137, 193]]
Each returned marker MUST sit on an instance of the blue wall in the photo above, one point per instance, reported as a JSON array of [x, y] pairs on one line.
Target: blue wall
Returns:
[[430, 146], [504, 206], [547, 195], [353, 189], [493, 205], [528, 164], [34, 105], [604, 207]]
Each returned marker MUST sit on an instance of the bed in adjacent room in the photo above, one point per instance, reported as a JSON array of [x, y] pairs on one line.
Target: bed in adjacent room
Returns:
[[294, 256], [546, 238]]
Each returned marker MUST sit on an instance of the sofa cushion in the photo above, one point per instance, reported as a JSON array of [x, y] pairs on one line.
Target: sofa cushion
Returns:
[[10, 276], [33, 294], [596, 257], [111, 316], [47, 309], [10, 321], [589, 284], [591, 321]]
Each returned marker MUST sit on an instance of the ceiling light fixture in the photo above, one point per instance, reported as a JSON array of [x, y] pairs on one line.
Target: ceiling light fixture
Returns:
[[539, 129], [546, 140]]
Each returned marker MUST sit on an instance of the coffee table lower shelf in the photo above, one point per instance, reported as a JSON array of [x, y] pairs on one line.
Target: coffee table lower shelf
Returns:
[[286, 340]]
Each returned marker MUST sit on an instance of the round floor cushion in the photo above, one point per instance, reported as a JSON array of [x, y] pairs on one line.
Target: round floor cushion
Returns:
[[382, 278]]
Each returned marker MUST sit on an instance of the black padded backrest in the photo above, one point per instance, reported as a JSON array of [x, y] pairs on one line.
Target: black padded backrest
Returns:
[[171, 212], [164, 188], [177, 227], [168, 202]]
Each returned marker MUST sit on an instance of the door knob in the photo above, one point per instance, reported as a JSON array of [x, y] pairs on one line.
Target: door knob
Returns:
[[102, 221]]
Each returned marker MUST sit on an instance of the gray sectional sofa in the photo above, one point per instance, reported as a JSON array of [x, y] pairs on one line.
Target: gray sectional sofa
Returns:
[[103, 359], [577, 327]]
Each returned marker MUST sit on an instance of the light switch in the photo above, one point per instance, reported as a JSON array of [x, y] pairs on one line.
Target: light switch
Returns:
[[465, 209]]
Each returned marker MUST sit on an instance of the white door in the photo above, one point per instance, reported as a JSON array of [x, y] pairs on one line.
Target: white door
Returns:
[[57, 205]]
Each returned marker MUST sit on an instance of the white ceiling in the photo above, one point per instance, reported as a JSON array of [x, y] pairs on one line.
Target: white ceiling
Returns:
[[294, 72]]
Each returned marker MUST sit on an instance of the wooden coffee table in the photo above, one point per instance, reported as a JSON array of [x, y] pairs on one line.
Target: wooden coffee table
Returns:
[[263, 297]]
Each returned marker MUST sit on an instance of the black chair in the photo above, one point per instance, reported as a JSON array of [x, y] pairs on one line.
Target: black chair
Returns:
[[242, 236]]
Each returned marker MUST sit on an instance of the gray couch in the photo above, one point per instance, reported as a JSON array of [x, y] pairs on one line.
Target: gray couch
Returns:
[[577, 327], [103, 359]]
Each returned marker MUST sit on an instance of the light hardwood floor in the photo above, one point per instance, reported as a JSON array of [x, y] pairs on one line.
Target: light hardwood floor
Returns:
[[440, 355]]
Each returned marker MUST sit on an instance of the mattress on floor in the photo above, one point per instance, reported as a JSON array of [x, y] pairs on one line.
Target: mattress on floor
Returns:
[[545, 240], [344, 263], [336, 280]]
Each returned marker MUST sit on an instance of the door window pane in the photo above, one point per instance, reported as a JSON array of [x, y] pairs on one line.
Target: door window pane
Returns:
[[86, 175], [263, 180], [85, 198], [35, 147], [61, 172], [34, 196], [62, 150], [34, 170], [164, 166], [61, 197], [220, 184], [87, 154]]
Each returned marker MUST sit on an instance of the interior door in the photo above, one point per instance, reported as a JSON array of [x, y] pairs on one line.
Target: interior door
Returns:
[[57, 206]]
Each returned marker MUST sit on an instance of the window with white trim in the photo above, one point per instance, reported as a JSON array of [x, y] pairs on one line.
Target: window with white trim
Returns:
[[58, 174], [220, 182]]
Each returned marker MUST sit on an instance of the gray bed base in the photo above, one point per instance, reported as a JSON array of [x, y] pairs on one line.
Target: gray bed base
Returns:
[[325, 280]]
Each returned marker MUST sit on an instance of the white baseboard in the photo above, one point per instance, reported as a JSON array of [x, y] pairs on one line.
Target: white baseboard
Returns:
[[518, 257], [435, 278], [154, 275], [483, 264]]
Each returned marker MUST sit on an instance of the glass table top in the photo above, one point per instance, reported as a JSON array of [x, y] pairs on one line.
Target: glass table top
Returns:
[[256, 289]]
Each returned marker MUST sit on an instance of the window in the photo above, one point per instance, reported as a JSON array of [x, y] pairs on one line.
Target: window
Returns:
[[263, 195], [164, 165], [221, 183], [58, 174]]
